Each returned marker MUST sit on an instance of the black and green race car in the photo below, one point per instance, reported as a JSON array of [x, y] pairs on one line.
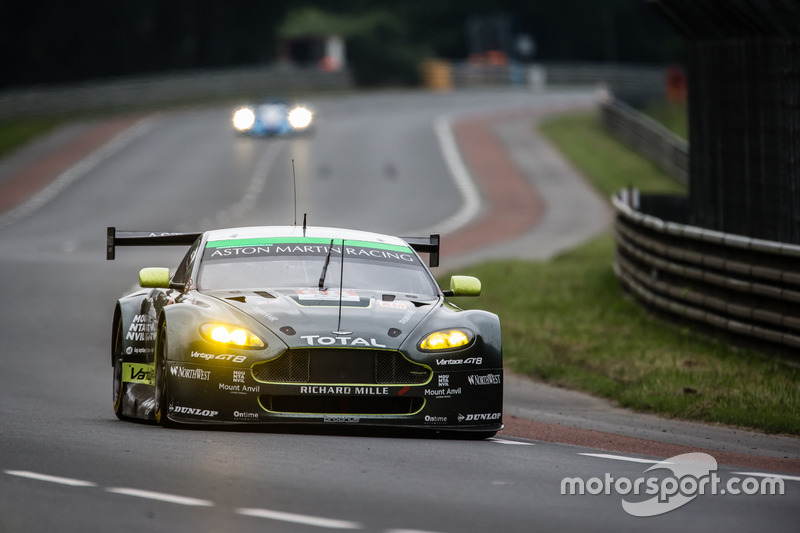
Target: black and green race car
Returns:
[[304, 325]]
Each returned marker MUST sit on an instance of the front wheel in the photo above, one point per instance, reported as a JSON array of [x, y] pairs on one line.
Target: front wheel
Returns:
[[161, 379], [118, 386]]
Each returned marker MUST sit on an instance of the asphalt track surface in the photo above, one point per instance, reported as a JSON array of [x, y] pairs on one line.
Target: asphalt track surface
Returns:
[[465, 164]]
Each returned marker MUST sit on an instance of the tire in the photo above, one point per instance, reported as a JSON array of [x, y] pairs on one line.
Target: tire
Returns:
[[161, 407], [118, 387]]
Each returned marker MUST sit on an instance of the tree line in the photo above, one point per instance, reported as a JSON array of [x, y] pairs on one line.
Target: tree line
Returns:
[[52, 41]]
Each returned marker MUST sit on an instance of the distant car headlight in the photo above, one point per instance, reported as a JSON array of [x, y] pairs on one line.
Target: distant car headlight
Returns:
[[231, 335], [243, 119], [448, 339], [300, 117]]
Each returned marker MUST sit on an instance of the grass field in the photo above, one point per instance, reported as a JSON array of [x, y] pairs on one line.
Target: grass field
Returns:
[[674, 116], [15, 133], [567, 323]]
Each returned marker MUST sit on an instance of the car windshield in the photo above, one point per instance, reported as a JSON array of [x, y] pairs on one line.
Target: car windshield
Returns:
[[299, 263]]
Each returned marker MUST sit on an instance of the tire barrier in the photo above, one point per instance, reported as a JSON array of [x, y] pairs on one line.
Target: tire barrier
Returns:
[[739, 284]]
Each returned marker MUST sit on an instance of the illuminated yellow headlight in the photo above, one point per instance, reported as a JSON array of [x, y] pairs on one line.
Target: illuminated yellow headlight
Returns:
[[448, 339], [231, 335], [300, 117], [243, 119]]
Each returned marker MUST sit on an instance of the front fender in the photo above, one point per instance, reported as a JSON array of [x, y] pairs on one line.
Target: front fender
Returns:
[[185, 343], [488, 343], [133, 329]]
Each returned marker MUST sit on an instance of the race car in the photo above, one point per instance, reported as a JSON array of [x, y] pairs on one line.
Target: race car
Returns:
[[273, 118], [304, 325]]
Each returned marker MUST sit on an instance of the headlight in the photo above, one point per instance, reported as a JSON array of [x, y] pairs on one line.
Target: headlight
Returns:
[[243, 119], [300, 117], [448, 339], [231, 335]]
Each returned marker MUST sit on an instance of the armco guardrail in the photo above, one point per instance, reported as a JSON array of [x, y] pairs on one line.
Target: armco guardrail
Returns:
[[620, 78], [742, 285], [263, 80], [648, 138]]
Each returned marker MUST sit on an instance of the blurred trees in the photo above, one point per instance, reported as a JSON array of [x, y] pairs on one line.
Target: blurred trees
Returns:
[[52, 41]]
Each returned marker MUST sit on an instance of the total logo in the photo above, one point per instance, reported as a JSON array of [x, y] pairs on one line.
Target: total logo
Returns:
[[313, 340], [479, 417]]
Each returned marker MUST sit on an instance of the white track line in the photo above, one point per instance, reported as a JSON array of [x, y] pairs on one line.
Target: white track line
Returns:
[[51, 479], [470, 194], [299, 519], [245, 204], [649, 461], [620, 458], [763, 474], [407, 531], [160, 496], [511, 442], [78, 170]]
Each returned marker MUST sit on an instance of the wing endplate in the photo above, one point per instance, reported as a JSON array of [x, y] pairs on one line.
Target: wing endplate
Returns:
[[429, 245]]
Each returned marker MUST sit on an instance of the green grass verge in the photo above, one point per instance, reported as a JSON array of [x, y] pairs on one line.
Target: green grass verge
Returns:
[[15, 133], [674, 116], [603, 159], [566, 322]]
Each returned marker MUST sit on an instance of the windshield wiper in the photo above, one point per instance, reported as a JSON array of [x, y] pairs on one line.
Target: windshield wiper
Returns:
[[325, 266]]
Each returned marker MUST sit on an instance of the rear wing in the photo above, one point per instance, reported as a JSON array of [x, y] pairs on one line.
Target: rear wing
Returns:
[[429, 245], [116, 238]]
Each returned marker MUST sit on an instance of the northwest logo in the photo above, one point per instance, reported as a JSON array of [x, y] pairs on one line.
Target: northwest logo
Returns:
[[488, 379]]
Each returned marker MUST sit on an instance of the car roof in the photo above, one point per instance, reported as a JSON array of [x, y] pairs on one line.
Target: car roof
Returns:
[[313, 232]]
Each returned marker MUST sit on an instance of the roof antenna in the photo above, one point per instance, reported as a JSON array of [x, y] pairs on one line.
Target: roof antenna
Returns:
[[341, 285], [304, 223], [294, 182]]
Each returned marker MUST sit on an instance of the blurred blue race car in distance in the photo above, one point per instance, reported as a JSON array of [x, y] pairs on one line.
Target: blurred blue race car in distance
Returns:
[[273, 118]]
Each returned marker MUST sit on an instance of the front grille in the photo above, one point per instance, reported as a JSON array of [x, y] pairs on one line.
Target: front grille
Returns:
[[342, 405], [292, 366], [341, 365]]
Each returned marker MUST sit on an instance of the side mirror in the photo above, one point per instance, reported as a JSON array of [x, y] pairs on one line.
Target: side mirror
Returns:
[[464, 286], [154, 277]]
